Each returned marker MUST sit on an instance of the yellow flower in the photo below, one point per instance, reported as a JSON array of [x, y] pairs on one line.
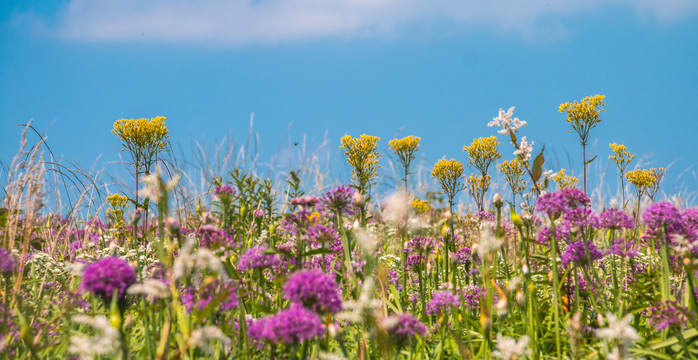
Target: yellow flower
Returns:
[[642, 179], [564, 181], [404, 149], [420, 206], [143, 138], [482, 153], [362, 156], [584, 115], [513, 171], [118, 204], [449, 174], [621, 156], [477, 187]]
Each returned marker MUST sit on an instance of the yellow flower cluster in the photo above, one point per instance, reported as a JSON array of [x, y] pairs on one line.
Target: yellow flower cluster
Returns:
[[621, 156], [449, 174], [143, 138], [407, 146], [584, 115], [362, 156], [513, 171], [420, 206], [658, 174], [118, 204], [641, 178], [565, 181], [478, 185], [482, 153]]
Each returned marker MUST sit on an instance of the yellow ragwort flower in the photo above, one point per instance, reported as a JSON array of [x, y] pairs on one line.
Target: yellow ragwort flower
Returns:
[[642, 179], [118, 204], [143, 138], [513, 171], [584, 115], [404, 149], [477, 187], [482, 153], [621, 156], [565, 181], [420, 206], [449, 174], [362, 156]]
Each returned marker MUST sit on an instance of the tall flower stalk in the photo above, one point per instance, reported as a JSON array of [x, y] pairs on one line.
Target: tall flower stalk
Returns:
[[482, 152], [584, 116], [449, 174], [404, 150], [622, 158]]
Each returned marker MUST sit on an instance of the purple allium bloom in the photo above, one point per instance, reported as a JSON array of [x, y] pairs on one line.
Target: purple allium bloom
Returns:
[[415, 263], [322, 234], [293, 325], [305, 202], [340, 199], [562, 233], [207, 293], [463, 255], [670, 314], [419, 245], [107, 276], [580, 217], [8, 264], [224, 193], [622, 247], [315, 290], [576, 254], [559, 202], [472, 295], [255, 258], [213, 238], [660, 215], [484, 216], [403, 328], [440, 301], [394, 279], [614, 219]]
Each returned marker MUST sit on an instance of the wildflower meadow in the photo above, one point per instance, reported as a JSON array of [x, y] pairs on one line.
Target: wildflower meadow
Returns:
[[501, 256]]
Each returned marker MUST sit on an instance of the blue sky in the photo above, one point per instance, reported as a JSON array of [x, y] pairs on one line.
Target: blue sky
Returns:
[[440, 70]]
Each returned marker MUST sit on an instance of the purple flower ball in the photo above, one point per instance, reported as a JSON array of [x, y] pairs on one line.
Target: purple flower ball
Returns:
[[293, 325], [577, 254], [441, 301], [659, 215], [670, 314], [340, 199], [614, 219], [255, 258], [402, 328], [8, 264], [200, 299], [315, 290], [107, 276]]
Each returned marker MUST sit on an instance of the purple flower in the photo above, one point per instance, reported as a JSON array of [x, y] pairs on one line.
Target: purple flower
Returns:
[[484, 216], [577, 254], [402, 328], [224, 193], [340, 199], [560, 202], [472, 295], [660, 215], [293, 325], [415, 263], [315, 290], [622, 247], [216, 288], [562, 233], [440, 301], [306, 202], [419, 245], [108, 276], [255, 258], [8, 264], [614, 219], [322, 234], [213, 238], [670, 314], [580, 217]]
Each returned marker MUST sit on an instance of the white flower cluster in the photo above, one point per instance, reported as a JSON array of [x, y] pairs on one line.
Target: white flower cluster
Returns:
[[510, 349], [43, 263], [506, 122], [202, 338], [524, 150], [189, 260], [105, 341]]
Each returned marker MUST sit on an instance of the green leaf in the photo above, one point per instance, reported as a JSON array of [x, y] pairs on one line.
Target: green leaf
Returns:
[[538, 165], [590, 160], [513, 137]]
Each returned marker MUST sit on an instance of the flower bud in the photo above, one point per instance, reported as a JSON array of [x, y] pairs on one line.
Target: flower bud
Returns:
[[136, 217], [525, 269], [359, 199], [498, 200], [520, 297]]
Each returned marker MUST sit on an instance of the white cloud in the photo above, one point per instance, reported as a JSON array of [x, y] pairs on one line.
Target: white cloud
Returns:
[[233, 22]]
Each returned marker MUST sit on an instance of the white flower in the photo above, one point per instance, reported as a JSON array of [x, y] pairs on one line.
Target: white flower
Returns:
[[156, 186], [506, 122], [397, 208], [548, 174], [363, 307], [75, 269], [105, 341], [619, 329], [488, 243], [151, 287], [202, 337], [510, 349], [525, 149], [202, 258]]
